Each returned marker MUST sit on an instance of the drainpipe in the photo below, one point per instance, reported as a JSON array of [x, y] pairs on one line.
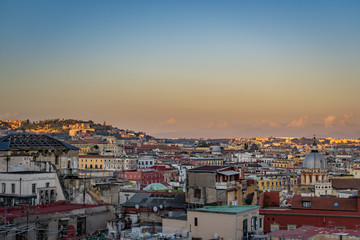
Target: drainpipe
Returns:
[[20, 185], [236, 227]]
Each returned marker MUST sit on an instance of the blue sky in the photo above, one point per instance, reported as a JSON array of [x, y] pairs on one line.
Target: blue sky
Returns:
[[192, 68]]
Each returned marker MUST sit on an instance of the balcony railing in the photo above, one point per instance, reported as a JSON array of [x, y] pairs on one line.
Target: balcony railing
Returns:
[[225, 185]]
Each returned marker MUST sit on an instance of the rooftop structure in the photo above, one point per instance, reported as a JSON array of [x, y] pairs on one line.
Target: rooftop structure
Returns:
[[32, 142]]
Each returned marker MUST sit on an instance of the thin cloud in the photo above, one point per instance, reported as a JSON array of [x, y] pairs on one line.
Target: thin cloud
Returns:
[[266, 123], [8, 115], [170, 121], [329, 121], [346, 118], [214, 124], [301, 122]]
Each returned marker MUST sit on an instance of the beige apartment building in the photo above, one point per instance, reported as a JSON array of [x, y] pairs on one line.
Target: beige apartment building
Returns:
[[217, 222]]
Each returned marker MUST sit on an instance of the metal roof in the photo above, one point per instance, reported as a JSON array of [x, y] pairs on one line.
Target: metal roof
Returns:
[[149, 200], [32, 142]]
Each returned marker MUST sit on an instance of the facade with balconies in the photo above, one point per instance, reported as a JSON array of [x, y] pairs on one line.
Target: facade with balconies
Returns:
[[214, 185]]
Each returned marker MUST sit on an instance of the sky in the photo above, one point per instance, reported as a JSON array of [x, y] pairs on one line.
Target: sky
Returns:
[[185, 68]]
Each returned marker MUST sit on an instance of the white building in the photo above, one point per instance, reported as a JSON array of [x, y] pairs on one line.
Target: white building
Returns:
[[146, 161], [30, 188]]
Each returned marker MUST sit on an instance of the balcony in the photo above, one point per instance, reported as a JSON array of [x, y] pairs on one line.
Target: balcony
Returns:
[[225, 185]]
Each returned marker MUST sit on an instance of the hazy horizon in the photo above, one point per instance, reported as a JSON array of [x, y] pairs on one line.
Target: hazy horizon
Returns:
[[184, 68]]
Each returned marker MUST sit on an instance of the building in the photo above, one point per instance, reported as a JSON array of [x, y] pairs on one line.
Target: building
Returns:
[[151, 206], [211, 161], [214, 185], [328, 212], [146, 161], [314, 168], [120, 163], [101, 147], [169, 173], [237, 222], [92, 162], [58, 220], [30, 188], [142, 177], [282, 163], [20, 152]]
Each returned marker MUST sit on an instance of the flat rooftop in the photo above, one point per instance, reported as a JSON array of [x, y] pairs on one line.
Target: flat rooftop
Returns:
[[233, 209]]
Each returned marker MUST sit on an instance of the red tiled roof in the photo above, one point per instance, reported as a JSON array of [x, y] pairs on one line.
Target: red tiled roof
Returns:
[[161, 167], [148, 146], [326, 203], [346, 183]]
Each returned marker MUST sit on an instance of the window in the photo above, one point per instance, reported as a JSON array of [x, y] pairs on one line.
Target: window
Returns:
[[13, 188], [291, 227], [306, 204], [197, 193], [3, 187], [62, 225], [195, 221], [245, 228], [274, 227], [33, 188], [253, 223], [47, 184], [260, 222], [81, 225]]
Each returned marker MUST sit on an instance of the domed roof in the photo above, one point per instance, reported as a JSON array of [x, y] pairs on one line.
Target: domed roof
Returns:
[[216, 148], [314, 159]]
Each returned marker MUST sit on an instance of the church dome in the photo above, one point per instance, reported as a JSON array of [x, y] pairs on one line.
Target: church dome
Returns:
[[314, 160]]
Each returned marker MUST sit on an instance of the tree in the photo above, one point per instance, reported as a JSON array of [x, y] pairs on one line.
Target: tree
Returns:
[[246, 146]]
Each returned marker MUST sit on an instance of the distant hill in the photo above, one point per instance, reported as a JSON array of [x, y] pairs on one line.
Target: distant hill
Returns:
[[65, 128]]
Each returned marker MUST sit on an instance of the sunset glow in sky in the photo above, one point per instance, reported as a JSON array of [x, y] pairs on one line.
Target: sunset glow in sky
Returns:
[[185, 68]]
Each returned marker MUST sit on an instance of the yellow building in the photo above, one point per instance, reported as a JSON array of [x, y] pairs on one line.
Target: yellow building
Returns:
[[265, 184], [282, 164], [91, 162]]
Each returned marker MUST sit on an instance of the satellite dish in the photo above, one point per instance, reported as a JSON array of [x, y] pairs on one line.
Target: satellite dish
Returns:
[[137, 206], [161, 206], [155, 208]]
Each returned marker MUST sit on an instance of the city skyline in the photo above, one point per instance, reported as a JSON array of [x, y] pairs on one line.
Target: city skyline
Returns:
[[185, 69]]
